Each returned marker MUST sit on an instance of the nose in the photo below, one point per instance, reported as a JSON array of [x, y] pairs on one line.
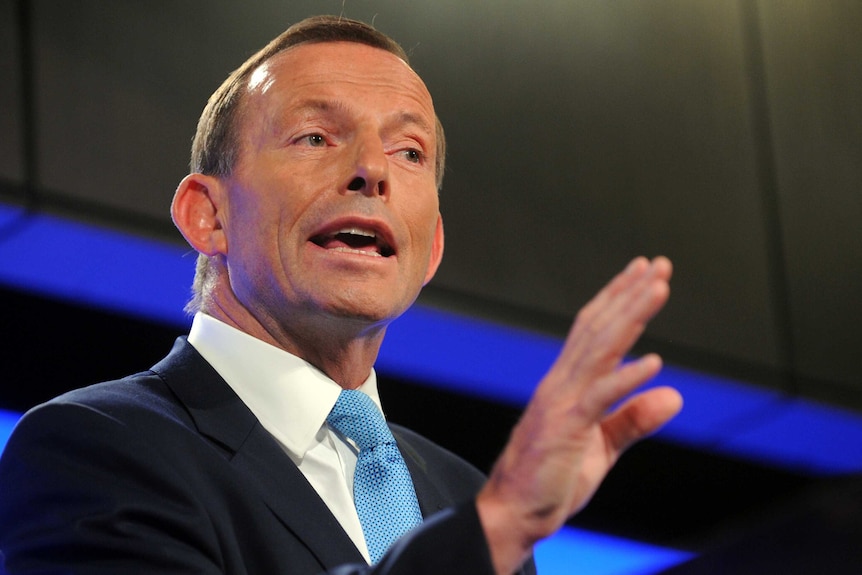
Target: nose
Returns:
[[370, 168]]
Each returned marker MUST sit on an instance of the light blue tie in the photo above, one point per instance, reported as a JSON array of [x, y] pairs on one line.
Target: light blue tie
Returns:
[[382, 487]]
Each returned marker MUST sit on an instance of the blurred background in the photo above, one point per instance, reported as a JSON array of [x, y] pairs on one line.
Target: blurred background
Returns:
[[725, 135]]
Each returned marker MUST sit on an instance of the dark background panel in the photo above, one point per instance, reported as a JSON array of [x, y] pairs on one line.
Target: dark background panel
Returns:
[[120, 86], [814, 74], [11, 128], [723, 134], [621, 129], [727, 135]]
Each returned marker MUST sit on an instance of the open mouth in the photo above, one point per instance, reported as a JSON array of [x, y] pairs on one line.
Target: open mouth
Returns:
[[354, 240]]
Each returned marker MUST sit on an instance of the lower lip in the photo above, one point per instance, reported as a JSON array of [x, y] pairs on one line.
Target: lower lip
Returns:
[[357, 252], [353, 254]]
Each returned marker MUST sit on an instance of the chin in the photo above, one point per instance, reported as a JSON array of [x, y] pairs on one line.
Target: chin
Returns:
[[370, 309]]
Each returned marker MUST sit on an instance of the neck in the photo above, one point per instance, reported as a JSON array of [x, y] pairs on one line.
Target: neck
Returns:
[[341, 350], [345, 349]]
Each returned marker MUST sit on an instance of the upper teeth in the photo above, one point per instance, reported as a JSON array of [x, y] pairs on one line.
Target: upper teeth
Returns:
[[357, 232]]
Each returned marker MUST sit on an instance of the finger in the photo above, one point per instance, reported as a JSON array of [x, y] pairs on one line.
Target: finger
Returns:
[[596, 400], [619, 284], [627, 322], [610, 324], [621, 301], [626, 299], [591, 319], [639, 417], [638, 270]]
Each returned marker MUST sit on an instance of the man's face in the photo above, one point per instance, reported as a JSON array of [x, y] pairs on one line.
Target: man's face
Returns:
[[332, 207]]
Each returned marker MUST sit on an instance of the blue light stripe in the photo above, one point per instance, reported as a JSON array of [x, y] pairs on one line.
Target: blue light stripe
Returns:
[[588, 553], [8, 419], [151, 279], [720, 415], [95, 266]]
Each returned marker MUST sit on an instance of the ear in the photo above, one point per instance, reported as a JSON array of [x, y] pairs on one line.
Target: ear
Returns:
[[198, 210], [436, 251]]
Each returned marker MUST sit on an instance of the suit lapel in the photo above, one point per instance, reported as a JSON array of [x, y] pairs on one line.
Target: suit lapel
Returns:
[[431, 499], [221, 416], [293, 500]]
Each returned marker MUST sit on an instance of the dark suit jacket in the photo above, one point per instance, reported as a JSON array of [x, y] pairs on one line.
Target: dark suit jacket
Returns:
[[167, 471]]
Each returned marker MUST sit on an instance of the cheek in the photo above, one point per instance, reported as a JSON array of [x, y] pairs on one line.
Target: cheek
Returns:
[[423, 226], [253, 239]]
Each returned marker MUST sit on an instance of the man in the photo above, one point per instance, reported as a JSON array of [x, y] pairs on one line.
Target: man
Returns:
[[313, 205]]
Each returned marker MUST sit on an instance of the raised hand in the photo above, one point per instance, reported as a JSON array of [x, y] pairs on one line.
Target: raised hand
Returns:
[[570, 434]]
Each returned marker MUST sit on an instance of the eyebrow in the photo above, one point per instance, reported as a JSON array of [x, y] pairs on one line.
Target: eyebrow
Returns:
[[340, 107], [322, 105], [410, 118]]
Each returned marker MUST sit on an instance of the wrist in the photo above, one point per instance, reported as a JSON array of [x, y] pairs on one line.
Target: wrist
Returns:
[[509, 543]]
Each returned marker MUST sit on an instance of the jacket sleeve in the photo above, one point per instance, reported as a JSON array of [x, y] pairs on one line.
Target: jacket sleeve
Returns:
[[452, 541]]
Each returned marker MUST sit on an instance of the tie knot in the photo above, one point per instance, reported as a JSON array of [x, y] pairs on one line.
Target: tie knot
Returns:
[[356, 416]]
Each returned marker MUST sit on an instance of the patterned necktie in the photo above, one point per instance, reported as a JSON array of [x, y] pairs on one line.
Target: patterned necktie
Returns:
[[382, 488]]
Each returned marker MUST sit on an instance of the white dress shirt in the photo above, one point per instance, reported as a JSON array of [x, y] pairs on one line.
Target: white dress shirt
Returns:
[[291, 398]]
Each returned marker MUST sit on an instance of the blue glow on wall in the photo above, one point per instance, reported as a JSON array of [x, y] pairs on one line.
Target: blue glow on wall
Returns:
[[720, 415], [95, 266], [584, 552], [8, 419], [131, 275]]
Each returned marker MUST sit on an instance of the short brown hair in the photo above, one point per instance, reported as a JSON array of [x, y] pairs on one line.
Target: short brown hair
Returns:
[[216, 145]]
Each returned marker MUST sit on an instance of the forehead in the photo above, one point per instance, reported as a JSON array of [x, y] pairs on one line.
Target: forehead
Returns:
[[349, 71]]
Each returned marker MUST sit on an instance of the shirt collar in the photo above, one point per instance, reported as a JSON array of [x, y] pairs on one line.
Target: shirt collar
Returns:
[[290, 397]]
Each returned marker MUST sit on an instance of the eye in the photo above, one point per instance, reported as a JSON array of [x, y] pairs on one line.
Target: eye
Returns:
[[414, 156], [314, 140]]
